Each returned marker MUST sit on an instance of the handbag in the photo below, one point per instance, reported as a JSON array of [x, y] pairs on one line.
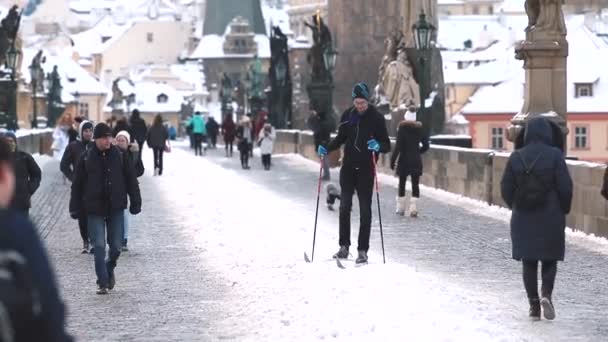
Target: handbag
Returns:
[[167, 147]]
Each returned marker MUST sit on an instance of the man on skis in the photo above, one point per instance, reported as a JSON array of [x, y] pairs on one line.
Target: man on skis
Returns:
[[363, 133]]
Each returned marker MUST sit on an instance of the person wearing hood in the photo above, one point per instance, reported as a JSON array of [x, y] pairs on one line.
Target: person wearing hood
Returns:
[[28, 175], [132, 151], [139, 130], [213, 129], [266, 143], [70, 159], [411, 144], [537, 187], [363, 133]]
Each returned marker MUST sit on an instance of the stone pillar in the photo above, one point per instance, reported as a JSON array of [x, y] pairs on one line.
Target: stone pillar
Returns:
[[545, 53]]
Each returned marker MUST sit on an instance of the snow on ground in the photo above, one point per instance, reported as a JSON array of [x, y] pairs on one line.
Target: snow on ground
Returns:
[[279, 297], [42, 160]]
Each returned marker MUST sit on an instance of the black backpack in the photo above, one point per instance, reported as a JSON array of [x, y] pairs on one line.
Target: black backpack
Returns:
[[531, 192], [19, 298]]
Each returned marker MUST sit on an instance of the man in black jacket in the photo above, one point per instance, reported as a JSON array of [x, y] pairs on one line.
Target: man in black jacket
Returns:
[[363, 133], [103, 179], [41, 317], [139, 130], [68, 165], [28, 175]]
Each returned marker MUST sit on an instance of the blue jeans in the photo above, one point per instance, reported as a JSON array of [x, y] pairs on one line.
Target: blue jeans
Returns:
[[97, 232]]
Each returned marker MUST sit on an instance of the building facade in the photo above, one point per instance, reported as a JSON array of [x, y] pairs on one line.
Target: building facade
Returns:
[[301, 11]]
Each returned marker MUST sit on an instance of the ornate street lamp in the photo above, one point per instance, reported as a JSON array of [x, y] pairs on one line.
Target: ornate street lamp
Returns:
[[12, 55], [423, 33], [11, 60], [329, 58]]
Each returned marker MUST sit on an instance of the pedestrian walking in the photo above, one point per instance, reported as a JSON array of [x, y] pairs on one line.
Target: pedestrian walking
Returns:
[[132, 152], [266, 144], [60, 136], [228, 132], [28, 175], [103, 179], [68, 164], [139, 129], [363, 133], [411, 144], [605, 185], [121, 125], [199, 130], [322, 126], [212, 131], [537, 187], [32, 308], [74, 129], [244, 135], [157, 140]]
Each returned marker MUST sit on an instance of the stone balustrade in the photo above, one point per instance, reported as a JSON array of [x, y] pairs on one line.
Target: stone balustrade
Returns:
[[476, 173]]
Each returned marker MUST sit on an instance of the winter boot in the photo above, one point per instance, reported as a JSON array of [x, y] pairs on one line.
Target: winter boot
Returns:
[[400, 208], [342, 253], [548, 309], [413, 208], [534, 312], [85, 247], [102, 290], [362, 258], [125, 248]]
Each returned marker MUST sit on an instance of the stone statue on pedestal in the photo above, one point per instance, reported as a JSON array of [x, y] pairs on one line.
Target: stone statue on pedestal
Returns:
[[321, 42], [545, 15], [399, 84]]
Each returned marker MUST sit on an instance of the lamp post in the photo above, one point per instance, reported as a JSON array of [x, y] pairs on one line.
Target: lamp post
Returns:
[[12, 56], [329, 59], [34, 72], [423, 31]]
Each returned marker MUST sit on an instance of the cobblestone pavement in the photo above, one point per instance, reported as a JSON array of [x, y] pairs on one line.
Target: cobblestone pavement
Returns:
[[217, 255]]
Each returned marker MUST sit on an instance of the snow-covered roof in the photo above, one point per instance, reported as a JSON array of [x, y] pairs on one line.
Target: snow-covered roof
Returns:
[[212, 46], [73, 77], [450, 2], [146, 98], [586, 54], [131, 8], [456, 29], [89, 42], [301, 42], [486, 73], [276, 17], [512, 6]]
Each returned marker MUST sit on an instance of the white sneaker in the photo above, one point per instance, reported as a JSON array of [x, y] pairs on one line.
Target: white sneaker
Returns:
[[400, 205], [413, 208]]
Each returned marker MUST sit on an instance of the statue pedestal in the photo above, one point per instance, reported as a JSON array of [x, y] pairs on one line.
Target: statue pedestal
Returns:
[[320, 96], [545, 62]]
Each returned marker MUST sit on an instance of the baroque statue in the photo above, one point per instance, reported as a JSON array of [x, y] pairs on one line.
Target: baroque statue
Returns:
[[545, 15], [398, 82], [321, 42]]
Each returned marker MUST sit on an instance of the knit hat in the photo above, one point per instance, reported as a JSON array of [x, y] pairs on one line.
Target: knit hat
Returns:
[[360, 91], [409, 116], [124, 134], [10, 134], [101, 131]]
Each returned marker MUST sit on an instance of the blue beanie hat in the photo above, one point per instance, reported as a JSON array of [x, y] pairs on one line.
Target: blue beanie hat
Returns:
[[10, 134], [360, 91]]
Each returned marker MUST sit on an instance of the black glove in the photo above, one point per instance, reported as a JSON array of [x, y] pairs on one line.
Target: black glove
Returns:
[[134, 210], [74, 215]]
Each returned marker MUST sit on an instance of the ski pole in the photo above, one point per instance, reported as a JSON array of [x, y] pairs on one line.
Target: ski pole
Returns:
[[314, 236], [378, 200]]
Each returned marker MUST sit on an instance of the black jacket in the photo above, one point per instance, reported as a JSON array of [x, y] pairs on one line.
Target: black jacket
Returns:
[[605, 185], [19, 235], [539, 234], [71, 156], [102, 182], [121, 126], [28, 176], [157, 137], [321, 127], [411, 143], [355, 131], [212, 127], [139, 130]]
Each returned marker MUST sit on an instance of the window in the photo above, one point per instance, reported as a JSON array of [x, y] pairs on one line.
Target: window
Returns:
[[583, 89], [581, 137], [83, 109], [150, 37], [162, 98], [497, 135]]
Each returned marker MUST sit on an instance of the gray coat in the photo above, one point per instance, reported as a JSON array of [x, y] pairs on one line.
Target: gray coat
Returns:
[[539, 234]]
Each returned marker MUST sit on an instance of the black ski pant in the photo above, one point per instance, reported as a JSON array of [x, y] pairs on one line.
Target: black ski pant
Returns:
[[198, 144], [415, 185], [229, 147], [213, 138], [530, 273], [158, 159], [245, 155], [360, 180]]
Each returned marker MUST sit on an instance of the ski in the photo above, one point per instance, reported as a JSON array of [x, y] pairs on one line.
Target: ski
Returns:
[[341, 265], [306, 258]]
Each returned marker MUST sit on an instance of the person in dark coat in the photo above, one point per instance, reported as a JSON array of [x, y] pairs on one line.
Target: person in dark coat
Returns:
[[139, 130], [244, 136], [19, 237], [28, 176], [121, 125], [70, 159], [228, 132], [411, 144], [538, 234], [212, 131], [103, 180], [363, 133], [605, 185], [72, 132], [157, 141], [321, 126]]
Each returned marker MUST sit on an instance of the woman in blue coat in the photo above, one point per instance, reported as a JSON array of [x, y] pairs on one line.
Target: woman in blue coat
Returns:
[[538, 232]]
